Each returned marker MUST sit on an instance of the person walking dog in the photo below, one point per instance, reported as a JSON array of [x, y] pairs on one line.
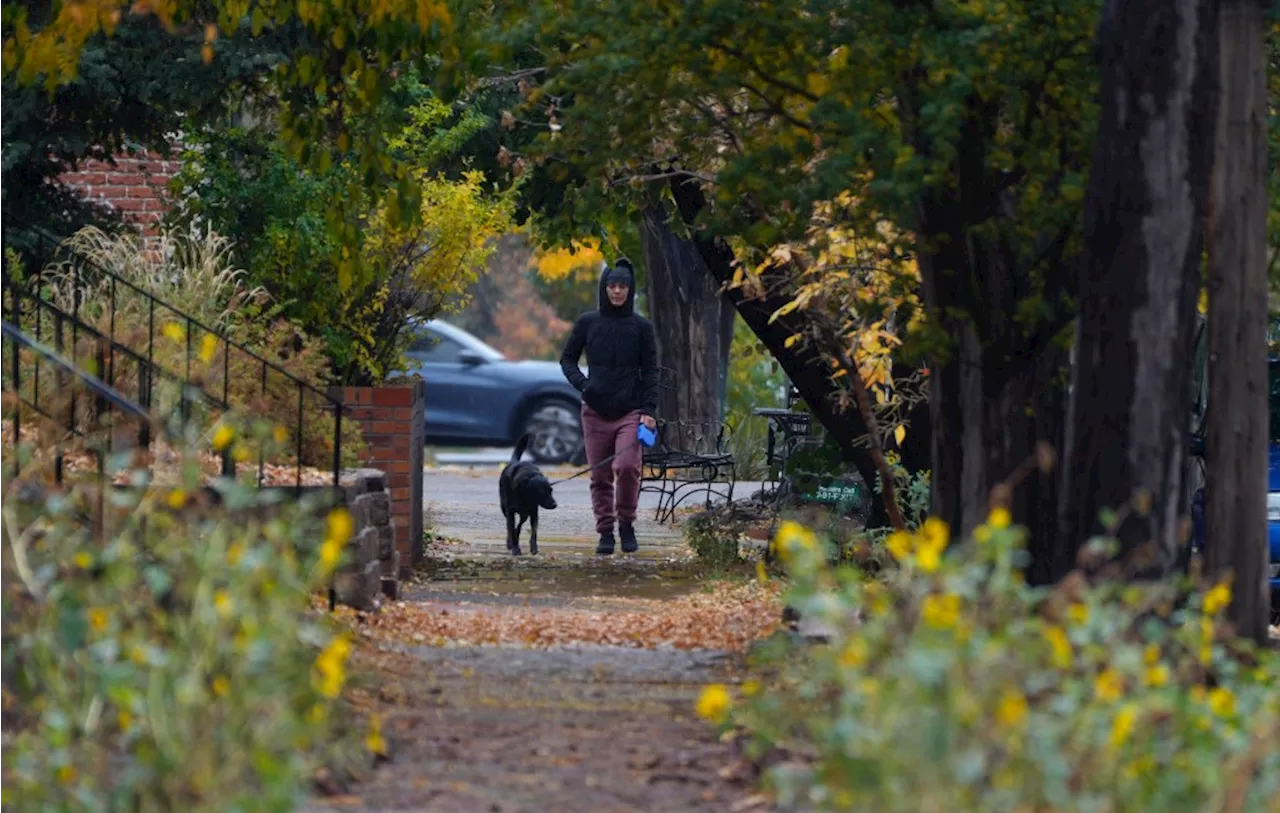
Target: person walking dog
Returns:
[[619, 392]]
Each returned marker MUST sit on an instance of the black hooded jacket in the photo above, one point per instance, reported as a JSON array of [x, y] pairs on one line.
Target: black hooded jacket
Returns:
[[622, 356]]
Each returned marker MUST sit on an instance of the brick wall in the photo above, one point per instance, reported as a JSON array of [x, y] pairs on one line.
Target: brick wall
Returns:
[[392, 423], [135, 186]]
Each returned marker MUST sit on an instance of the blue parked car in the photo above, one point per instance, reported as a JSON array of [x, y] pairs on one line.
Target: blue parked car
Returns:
[[478, 397], [1273, 465]]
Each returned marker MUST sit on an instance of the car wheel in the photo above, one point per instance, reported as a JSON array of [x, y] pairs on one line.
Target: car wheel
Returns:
[[555, 431]]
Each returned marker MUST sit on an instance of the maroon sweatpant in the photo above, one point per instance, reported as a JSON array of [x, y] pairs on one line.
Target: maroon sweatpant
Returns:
[[604, 437]]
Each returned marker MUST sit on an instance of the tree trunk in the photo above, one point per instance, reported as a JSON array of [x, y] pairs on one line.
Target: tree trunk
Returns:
[[693, 323], [1127, 427], [1237, 422], [984, 391]]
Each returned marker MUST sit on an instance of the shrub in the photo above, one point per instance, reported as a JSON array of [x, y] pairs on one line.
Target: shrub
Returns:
[[963, 688], [175, 664], [191, 271], [713, 535]]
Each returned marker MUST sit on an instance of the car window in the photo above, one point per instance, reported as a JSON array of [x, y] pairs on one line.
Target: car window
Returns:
[[433, 347]]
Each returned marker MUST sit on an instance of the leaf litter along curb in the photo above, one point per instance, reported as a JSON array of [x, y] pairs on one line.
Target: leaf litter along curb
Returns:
[[727, 617]]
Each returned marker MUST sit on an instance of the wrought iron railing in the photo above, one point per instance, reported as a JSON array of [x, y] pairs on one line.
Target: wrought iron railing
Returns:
[[208, 371]]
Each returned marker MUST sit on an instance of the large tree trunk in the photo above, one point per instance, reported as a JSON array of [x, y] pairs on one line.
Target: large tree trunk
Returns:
[[1128, 420], [1237, 431], [988, 389], [692, 319]]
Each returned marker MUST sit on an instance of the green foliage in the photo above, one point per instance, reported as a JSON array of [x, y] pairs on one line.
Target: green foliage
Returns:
[[246, 184], [174, 664], [342, 61], [962, 688], [132, 91], [713, 536], [911, 492]]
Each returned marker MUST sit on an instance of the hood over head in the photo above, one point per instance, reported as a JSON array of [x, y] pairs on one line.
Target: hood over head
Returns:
[[622, 271]]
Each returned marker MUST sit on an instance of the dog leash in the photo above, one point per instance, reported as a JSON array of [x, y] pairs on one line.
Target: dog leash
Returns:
[[608, 459]]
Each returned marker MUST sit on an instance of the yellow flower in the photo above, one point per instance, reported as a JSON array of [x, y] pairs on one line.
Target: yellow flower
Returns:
[[1109, 685], [1077, 614], [330, 667], [374, 740], [317, 713], [177, 499], [1123, 724], [1000, 518], [174, 331], [714, 703], [240, 453], [1061, 647], [793, 537], [222, 437], [124, 720], [221, 686], [208, 346], [222, 603], [928, 560], [1012, 709], [98, 619], [941, 612], [1206, 655], [1157, 675], [935, 534], [982, 534], [854, 654], [1222, 701], [280, 435], [1217, 599], [83, 560], [1151, 654], [234, 553], [340, 525], [330, 552], [750, 688], [66, 774], [899, 545]]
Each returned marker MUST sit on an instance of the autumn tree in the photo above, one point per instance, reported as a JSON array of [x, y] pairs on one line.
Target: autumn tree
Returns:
[[965, 127], [135, 88], [336, 62], [244, 183]]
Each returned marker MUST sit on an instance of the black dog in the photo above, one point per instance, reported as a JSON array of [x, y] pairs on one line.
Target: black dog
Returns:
[[522, 489]]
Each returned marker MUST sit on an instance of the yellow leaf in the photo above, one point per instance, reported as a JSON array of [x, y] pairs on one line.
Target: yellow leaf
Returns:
[[900, 434]]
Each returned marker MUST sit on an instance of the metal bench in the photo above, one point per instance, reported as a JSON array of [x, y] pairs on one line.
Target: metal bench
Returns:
[[690, 458]]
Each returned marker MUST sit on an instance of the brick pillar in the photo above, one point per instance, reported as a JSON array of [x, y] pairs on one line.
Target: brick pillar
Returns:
[[392, 423]]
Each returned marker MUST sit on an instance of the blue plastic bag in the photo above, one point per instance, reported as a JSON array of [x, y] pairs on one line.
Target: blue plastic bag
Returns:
[[645, 435]]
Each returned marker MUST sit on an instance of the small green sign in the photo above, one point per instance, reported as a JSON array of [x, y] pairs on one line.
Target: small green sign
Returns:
[[834, 492]]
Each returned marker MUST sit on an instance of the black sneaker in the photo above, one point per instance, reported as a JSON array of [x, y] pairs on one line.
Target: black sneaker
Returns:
[[628, 534], [605, 546]]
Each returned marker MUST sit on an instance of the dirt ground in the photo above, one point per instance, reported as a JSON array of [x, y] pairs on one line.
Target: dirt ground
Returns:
[[497, 695]]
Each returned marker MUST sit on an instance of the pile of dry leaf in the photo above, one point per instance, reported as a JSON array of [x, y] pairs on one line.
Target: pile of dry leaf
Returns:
[[727, 617]]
